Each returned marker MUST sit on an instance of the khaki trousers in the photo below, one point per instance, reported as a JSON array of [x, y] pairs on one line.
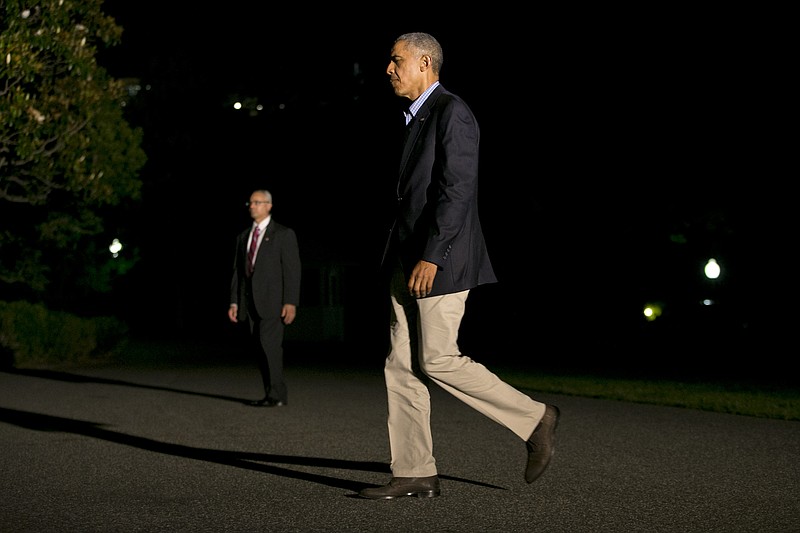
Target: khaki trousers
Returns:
[[424, 348]]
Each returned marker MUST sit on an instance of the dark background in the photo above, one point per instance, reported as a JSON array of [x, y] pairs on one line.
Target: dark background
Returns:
[[620, 150]]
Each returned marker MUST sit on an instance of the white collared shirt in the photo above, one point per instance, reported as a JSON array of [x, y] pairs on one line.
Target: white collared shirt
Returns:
[[416, 104]]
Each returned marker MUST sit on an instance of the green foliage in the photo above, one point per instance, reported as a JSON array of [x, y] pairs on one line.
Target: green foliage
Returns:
[[33, 336], [67, 155], [763, 401]]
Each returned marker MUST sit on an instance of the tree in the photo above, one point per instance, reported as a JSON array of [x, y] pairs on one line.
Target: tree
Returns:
[[68, 158]]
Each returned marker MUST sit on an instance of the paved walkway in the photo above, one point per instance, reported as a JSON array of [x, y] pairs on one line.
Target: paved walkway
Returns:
[[172, 447]]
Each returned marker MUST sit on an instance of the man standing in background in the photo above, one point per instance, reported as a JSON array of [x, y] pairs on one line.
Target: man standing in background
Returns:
[[265, 291]]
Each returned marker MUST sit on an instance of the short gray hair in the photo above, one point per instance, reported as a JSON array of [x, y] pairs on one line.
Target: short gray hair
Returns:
[[266, 193], [425, 44]]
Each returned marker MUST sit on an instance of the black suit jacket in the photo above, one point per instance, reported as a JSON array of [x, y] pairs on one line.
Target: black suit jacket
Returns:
[[276, 277], [437, 197]]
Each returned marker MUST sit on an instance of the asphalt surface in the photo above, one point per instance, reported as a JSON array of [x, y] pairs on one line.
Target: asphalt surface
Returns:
[[171, 446]]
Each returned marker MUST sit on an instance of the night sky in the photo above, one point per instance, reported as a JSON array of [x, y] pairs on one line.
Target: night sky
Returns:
[[618, 153]]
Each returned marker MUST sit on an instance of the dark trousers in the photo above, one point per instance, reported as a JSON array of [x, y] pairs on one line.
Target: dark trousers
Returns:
[[267, 347]]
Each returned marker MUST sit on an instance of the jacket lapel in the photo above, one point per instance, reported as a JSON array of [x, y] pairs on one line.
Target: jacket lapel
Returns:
[[415, 128]]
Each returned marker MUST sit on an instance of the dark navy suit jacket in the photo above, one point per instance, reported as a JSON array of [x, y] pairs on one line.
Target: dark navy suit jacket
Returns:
[[437, 197], [276, 277]]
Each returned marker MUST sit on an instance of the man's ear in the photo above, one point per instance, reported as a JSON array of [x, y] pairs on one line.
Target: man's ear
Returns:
[[425, 63]]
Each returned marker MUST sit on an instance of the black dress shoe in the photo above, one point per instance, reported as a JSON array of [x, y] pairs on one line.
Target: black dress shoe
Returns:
[[266, 402], [421, 487], [541, 444]]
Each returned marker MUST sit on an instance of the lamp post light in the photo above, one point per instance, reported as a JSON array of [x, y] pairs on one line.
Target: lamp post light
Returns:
[[712, 269], [115, 247]]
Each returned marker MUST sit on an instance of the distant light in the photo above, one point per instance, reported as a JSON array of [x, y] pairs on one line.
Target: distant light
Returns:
[[115, 247], [708, 301], [712, 269], [237, 105], [651, 311]]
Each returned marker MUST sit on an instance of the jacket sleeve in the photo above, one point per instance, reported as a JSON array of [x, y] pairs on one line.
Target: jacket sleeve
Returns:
[[292, 268], [454, 184]]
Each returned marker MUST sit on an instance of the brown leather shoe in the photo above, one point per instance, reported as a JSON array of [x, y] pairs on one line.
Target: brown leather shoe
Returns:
[[541, 444], [421, 487]]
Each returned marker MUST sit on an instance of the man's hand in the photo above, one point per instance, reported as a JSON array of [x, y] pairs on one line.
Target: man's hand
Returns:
[[421, 281], [288, 313]]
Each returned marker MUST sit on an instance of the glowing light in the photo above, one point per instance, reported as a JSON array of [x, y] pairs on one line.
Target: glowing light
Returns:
[[712, 269], [115, 247], [651, 311]]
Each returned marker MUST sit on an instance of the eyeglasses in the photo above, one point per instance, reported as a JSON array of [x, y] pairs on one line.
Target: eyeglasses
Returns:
[[257, 202]]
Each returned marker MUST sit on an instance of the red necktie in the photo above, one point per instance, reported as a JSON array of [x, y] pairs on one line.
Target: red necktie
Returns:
[[251, 254]]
